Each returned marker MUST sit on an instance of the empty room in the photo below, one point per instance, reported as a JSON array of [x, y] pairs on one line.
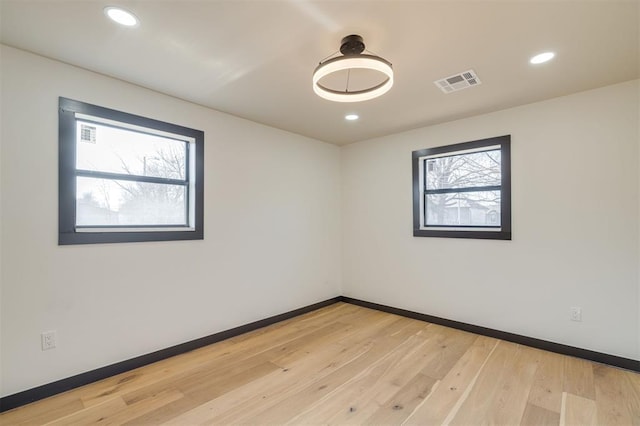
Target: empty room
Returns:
[[304, 212]]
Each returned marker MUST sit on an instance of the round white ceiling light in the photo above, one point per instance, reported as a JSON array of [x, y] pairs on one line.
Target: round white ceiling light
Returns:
[[542, 58], [351, 117], [351, 48], [121, 16]]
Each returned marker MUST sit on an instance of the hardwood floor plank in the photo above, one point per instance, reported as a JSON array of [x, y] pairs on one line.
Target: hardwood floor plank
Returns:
[[427, 357], [344, 364], [262, 339], [93, 414], [203, 392], [278, 400], [453, 344], [160, 414], [578, 378], [310, 319], [295, 373], [139, 407], [287, 410], [400, 406], [43, 411], [501, 391], [253, 395], [538, 416], [361, 396], [614, 397], [633, 384], [202, 379], [634, 380], [437, 406], [120, 384], [578, 411], [354, 335], [546, 391], [225, 373]]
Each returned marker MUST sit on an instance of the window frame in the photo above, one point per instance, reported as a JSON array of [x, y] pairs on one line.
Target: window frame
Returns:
[[69, 113], [503, 232]]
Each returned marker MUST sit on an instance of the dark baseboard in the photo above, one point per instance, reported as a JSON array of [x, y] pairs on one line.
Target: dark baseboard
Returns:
[[50, 389], [616, 361]]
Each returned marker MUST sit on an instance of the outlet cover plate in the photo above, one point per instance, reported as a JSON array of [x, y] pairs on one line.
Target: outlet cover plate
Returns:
[[48, 340], [575, 313]]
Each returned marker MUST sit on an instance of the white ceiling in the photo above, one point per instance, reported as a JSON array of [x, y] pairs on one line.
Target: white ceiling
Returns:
[[254, 59]]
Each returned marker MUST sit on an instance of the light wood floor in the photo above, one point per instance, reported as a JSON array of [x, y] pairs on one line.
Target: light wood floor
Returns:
[[345, 364]]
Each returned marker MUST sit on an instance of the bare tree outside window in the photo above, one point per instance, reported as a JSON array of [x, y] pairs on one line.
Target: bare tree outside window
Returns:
[[127, 178], [463, 190], [459, 174], [156, 203], [130, 202]]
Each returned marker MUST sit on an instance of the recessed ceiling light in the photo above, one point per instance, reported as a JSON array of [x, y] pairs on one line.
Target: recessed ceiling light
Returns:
[[542, 58], [351, 117], [121, 16]]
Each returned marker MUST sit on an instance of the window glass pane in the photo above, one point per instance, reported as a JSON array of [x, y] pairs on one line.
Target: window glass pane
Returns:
[[109, 149], [480, 208], [464, 170], [101, 202]]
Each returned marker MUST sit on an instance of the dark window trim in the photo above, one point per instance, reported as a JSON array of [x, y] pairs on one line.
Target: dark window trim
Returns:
[[444, 230], [67, 108]]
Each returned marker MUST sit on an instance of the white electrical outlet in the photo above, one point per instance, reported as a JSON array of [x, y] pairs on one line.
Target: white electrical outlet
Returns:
[[48, 340], [575, 313]]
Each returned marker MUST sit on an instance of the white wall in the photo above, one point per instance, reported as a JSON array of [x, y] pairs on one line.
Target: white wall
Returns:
[[272, 233], [273, 230], [575, 225]]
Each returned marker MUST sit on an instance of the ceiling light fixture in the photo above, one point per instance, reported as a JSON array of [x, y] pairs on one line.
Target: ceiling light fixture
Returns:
[[542, 58], [352, 58], [121, 16], [351, 117]]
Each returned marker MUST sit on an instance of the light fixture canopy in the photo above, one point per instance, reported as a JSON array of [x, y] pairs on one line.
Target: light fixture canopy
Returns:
[[352, 57]]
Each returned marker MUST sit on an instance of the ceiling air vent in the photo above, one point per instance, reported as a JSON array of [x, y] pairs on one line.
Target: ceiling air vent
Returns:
[[457, 82]]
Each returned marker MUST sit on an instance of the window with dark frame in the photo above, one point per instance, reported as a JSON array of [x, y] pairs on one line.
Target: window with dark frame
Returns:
[[126, 178], [463, 190]]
